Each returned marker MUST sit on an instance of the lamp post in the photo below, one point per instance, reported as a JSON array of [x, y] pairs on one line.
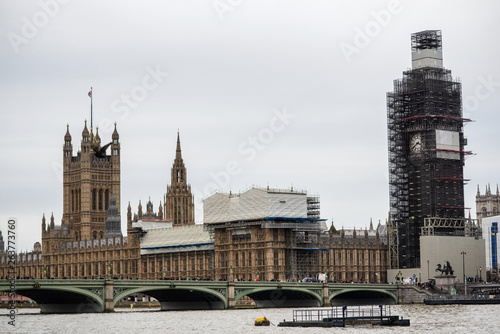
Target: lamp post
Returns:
[[477, 273], [428, 272], [480, 276], [44, 271], [109, 266], [463, 269]]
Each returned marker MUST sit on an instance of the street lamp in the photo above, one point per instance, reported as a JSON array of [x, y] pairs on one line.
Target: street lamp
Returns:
[[480, 276], [477, 273], [109, 266], [428, 272], [463, 269]]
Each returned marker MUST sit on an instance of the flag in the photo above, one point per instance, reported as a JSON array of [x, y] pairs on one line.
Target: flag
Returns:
[[90, 94]]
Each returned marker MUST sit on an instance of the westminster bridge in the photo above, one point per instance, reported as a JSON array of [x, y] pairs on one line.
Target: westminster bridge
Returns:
[[85, 296]]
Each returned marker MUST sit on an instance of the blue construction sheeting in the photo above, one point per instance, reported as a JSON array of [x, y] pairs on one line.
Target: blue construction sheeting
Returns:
[[180, 246], [295, 219]]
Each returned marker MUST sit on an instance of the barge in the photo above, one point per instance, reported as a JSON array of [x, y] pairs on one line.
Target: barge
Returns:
[[340, 316]]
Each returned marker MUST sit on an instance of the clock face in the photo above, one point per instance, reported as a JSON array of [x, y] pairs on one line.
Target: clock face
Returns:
[[416, 143]]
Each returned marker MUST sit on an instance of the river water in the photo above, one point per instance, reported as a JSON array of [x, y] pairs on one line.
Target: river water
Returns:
[[424, 319]]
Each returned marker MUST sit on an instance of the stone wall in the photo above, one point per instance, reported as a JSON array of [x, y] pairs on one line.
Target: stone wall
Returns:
[[410, 294]]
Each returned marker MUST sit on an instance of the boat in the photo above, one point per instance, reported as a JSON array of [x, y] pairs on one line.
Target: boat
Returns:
[[340, 316], [262, 321]]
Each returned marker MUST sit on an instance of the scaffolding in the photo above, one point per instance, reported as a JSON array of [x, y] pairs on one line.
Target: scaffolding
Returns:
[[428, 39], [313, 207], [465, 227], [427, 182]]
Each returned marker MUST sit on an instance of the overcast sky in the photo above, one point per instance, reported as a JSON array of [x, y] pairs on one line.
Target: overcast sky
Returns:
[[279, 93]]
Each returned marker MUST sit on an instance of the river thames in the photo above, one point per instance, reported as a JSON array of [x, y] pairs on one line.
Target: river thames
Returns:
[[424, 319]]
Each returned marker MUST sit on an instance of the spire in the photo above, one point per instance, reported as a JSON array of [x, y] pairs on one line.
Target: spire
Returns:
[[178, 155], [332, 228], [139, 213], [371, 225], [149, 208], [129, 215], [97, 138], [478, 192], [497, 189], [67, 136], [160, 212], [115, 133], [85, 131]]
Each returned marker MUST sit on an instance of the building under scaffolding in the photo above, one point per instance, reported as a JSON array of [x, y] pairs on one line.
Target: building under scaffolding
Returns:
[[273, 234], [265, 234], [426, 149]]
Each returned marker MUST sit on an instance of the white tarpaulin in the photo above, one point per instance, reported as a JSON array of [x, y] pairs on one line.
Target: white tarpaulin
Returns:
[[254, 204]]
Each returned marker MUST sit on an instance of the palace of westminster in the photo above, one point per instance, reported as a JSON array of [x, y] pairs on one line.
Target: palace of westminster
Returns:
[[261, 234]]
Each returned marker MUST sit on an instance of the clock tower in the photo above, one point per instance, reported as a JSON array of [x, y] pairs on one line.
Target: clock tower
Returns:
[[426, 149]]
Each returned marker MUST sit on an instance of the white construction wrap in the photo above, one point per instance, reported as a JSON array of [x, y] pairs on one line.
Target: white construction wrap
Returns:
[[254, 204]]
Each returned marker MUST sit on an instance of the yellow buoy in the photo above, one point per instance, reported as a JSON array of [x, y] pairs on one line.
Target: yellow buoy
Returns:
[[262, 321]]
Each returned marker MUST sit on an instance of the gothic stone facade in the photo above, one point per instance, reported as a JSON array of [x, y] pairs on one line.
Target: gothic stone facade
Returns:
[[79, 247], [487, 205]]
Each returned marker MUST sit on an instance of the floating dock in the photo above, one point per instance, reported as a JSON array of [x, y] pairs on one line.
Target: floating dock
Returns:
[[340, 316], [475, 299]]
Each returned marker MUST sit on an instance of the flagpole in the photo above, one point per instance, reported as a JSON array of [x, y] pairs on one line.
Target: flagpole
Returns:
[[91, 97]]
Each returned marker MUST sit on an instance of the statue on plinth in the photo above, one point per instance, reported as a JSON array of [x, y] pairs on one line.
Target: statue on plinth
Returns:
[[446, 269]]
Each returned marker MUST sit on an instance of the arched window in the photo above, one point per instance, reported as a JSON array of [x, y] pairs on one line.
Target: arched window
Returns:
[[94, 199], [100, 199], [101, 235], [106, 199], [94, 235]]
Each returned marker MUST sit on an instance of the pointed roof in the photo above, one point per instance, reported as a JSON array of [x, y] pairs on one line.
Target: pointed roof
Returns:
[[67, 136], [85, 131], [371, 225], [178, 155], [115, 133]]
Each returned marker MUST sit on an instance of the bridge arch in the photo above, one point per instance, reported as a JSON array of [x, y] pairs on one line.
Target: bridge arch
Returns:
[[362, 296], [180, 297], [64, 299], [276, 296]]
